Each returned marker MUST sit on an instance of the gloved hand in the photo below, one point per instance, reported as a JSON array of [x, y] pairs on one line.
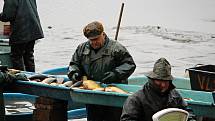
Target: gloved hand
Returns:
[[74, 77], [109, 77]]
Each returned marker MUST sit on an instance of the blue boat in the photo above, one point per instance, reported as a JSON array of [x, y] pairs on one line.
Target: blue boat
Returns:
[[201, 103]]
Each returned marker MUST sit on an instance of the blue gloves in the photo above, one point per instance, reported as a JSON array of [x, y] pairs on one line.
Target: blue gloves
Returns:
[[109, 77]]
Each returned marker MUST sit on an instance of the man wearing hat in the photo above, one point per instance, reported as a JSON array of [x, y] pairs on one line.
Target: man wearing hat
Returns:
[[104, 60], [157, 94]]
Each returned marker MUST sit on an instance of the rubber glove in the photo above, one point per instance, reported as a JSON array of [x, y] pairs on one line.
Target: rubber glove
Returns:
[[74, 77], [109, 77]]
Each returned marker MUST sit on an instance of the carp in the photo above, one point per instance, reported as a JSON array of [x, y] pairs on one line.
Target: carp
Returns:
[[67, 83], [112, 88], [49, 80], [54, 84], [13, 71], [86, 84], [92, 85], [99, 89], [77, 84], [37, 76]]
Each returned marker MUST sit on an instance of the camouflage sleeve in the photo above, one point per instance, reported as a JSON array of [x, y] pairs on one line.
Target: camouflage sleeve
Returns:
[[131, 109], [125, 63], [75, 63]]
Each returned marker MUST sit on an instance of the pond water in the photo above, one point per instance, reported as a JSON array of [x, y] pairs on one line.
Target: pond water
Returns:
[[181, 31]]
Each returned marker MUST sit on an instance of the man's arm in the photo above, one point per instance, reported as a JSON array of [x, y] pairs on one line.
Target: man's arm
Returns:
[[131, 110], [125, 64], [74, 72]]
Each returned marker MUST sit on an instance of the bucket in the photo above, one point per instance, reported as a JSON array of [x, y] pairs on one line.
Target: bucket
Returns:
[[202, 78]]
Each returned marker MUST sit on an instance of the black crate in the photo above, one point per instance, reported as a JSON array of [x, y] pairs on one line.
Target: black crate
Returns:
[[202, 78]]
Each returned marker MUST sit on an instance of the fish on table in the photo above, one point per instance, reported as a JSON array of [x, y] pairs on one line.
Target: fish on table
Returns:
[[93, 85], [83, 84]]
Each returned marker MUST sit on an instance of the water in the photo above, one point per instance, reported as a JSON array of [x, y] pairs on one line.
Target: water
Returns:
[[181, 31]]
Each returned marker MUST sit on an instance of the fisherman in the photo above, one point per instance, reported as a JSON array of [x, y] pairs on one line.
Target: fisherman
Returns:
[[104, 60], [25, 30], [157, 94]]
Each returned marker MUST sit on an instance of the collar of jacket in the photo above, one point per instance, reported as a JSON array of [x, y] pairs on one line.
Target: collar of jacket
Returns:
[[157, 90], [105, 50]]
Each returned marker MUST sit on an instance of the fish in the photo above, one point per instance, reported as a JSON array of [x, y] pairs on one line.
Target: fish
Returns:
[[112, 88], [13, 71], [54, 84], [90, 85], [93, 85], [36, 80], [99, 89], [67, 83], [87, 84], [37, 76], [49, 80], [59, 80], [77, 84]]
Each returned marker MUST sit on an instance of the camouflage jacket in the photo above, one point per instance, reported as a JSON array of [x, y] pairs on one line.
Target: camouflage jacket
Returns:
[[111, 57], [141, 105]]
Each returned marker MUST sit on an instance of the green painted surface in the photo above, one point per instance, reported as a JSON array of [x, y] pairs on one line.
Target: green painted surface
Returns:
[[202, 103], [179, 82]]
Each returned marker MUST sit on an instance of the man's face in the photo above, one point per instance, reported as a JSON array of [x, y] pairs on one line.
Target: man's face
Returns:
[[162, 85], [98, 42]]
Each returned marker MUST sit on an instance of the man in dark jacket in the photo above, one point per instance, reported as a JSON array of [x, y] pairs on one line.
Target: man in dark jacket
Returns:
[[157, 94], [25, 30], [104, 60]]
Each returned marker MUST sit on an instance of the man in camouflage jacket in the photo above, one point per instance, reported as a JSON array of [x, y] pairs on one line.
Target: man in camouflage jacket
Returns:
[[157, 94], [104, 60]]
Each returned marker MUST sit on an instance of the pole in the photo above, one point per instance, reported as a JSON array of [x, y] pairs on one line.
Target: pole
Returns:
[[119, 21]]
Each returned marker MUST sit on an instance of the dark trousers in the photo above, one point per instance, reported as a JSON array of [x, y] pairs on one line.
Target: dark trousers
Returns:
[[103, 113], [22, 56]]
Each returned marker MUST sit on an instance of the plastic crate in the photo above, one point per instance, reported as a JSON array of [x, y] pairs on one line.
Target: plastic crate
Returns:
[[202, 78]]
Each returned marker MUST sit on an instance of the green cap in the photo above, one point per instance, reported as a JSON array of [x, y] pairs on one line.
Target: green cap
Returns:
[[93, 30], [161, 70]]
